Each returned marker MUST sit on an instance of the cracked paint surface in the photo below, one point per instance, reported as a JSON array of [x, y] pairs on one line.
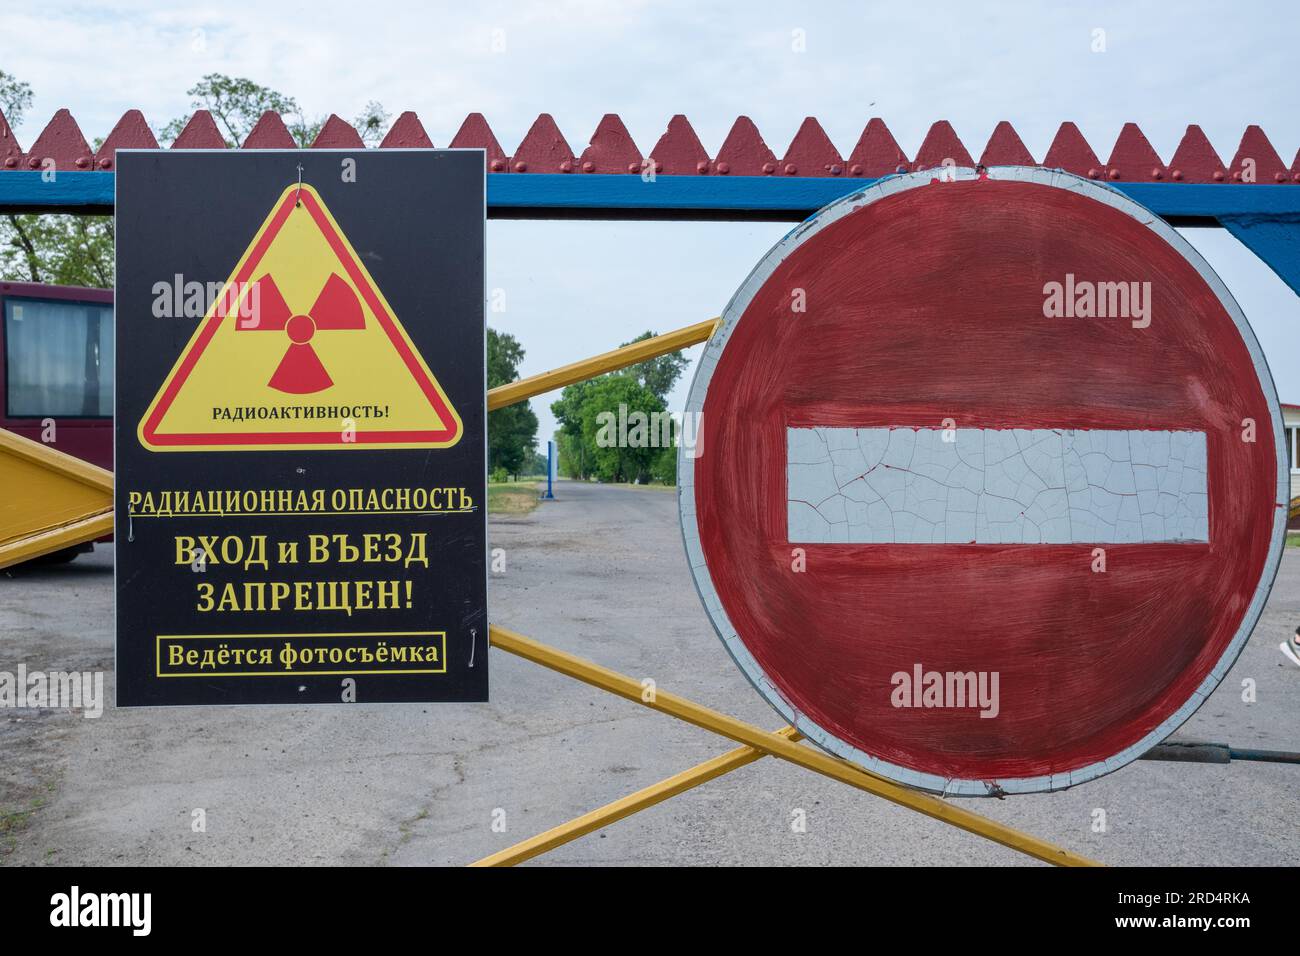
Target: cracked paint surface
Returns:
[[906, 485]]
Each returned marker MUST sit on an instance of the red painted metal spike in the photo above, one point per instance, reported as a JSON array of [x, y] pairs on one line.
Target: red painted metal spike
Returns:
[[1267, 164], [877, 153], [475, 133], [337, 134], [744, 153], [270, 133], [61, 141], [611, 149], [812, 153], [200, 133], [940, 144], [407, 133], [543, 150], [679, 151], [1005, 148], [1133, 159], [1195, 160], [131, 132], [1070, 151], [11, 154]]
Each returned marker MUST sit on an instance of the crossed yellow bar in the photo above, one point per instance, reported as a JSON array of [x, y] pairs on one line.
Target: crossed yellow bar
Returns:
[[526, 388], [756, 742]]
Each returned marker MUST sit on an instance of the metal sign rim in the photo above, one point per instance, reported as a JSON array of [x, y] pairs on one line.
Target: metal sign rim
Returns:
[[703, 581]]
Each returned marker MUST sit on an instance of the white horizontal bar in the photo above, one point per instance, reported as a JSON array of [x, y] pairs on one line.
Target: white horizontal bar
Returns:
[[908, 485]]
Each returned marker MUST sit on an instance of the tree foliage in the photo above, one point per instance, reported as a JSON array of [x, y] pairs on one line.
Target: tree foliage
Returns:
[[372, 123], [512, 431], [628, 407], [237, 103], [658, 375], [57, 249], [15, 98]]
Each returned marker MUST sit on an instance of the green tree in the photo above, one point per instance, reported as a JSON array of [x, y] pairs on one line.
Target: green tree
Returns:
[[512, 431], [663, 468], [611, 429], [615, 408], [659, 375], [15, 98], [570, 451], [570, 440], [237, 103], [372, 123], [60, 249], [582, 408]]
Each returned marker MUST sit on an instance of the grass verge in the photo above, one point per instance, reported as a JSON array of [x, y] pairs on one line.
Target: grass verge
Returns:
[[512, 498]]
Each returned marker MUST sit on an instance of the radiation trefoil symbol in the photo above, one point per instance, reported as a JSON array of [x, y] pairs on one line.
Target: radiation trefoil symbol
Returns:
[[299, 351], [301, 372]]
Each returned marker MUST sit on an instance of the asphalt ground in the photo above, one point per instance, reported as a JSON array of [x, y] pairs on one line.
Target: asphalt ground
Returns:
[[599, 572]]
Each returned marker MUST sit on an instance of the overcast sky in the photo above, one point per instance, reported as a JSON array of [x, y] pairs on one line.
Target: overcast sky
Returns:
[[576, 288]]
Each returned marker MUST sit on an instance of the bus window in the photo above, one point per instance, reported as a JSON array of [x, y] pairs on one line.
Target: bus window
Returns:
[[58, 358]]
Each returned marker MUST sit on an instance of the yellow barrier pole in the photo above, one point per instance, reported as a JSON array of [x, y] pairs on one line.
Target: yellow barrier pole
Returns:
[[623, 686], [51, 500], [613, 812], [526, 388], [49, 540]]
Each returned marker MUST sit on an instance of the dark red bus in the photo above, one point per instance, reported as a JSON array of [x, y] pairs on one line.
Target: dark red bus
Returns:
[[56, 376]]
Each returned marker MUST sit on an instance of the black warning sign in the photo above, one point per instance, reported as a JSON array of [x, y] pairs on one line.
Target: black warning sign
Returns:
[[300, 427]]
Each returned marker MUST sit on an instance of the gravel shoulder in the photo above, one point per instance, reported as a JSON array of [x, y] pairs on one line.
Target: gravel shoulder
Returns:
[[599, 572]]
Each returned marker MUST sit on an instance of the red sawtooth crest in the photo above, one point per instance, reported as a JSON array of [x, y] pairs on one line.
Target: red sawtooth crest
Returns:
[[678, 151]]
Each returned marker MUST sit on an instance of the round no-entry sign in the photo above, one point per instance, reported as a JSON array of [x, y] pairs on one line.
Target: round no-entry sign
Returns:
[[989, 487]]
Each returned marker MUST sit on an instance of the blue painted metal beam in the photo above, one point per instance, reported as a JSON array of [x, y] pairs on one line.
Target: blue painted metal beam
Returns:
[[684, 197], [802, 196], [74, 192], [1275, 239]]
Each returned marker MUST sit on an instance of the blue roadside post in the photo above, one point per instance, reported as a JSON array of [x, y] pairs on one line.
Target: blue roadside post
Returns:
[[550, 470]]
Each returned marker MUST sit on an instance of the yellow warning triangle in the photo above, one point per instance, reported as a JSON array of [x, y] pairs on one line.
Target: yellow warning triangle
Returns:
[[300, 350]]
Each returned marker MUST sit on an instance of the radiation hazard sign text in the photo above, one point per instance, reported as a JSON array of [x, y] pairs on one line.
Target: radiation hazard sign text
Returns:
[[300, 461]]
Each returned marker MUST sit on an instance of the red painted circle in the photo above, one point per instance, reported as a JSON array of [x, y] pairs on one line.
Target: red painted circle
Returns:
[[926, 305], [300, 329]]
